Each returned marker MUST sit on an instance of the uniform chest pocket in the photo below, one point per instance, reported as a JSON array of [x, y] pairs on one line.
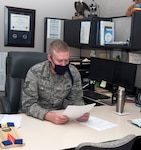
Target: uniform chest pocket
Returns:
[[62, 91], [45, 89], [53, 89]]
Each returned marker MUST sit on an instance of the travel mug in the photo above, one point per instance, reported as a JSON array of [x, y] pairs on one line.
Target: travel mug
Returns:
[[120, 101]]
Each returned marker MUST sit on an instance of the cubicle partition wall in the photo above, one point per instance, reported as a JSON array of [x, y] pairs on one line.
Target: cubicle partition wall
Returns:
[[122, 28], [135, 35]]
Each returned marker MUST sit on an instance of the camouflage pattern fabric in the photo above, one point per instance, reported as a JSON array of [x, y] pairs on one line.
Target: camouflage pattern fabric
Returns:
[[44, 91]]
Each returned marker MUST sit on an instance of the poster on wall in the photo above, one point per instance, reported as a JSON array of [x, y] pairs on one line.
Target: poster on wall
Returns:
[[19, 27], [85, 32], [53, 29]]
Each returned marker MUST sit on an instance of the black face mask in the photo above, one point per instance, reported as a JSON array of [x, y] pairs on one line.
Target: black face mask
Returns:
[[60, 70]]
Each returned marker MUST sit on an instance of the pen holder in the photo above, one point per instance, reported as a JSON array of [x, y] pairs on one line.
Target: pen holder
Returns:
[[120, 101]]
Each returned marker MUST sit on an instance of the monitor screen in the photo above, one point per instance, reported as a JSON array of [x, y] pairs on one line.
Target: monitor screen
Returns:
[[138, 76], [124, 75], [101, 69]]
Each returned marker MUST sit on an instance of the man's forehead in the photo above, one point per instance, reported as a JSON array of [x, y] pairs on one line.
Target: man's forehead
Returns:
[[61, 55]]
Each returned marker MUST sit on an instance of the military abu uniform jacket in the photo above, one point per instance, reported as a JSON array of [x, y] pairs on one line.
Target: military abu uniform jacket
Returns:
[[44, 91]]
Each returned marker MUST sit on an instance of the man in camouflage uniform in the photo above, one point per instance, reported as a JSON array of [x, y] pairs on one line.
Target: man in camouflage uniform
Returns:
[[53, 85]]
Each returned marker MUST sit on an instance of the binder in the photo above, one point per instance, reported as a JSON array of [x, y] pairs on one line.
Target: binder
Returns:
[[106, 32]]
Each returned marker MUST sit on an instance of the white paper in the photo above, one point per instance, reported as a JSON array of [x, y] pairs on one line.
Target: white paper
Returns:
[[74, 112], [85, 32], [11, 118], [54, 29], [98, 124], [20, 22], [134, 58]]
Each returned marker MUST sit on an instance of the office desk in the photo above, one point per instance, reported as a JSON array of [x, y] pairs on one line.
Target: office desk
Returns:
[[43, 135]]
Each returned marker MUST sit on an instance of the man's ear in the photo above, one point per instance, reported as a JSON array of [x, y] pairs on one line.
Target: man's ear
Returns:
[[49, 57]]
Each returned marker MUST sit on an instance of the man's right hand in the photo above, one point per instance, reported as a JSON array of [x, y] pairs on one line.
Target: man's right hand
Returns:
[[56, 118]]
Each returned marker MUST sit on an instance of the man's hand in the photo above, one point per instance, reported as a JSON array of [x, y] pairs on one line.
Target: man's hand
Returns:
[[56, 118], [84, 118]]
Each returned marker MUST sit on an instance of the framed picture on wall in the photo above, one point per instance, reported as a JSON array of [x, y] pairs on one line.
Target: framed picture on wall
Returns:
[[19, 27]]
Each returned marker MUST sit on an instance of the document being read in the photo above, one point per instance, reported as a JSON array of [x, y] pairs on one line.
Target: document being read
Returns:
[[74, 112]]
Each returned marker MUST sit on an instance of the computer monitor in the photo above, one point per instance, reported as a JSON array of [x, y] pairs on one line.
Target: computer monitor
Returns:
[[124, 75], [138, 76], [101, 69]]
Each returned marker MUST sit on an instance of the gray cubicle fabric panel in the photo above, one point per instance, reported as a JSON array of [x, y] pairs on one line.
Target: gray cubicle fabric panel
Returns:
[[122, 28]]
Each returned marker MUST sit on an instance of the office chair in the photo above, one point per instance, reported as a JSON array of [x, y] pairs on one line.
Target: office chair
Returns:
[[137, 143], [17, 65], [124, 143]]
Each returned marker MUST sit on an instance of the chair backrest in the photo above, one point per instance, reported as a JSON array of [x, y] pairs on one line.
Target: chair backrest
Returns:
[[17, 65], [124, 143], [137, 143]]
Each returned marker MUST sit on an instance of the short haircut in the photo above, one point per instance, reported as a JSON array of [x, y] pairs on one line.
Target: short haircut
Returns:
[[59, 45]]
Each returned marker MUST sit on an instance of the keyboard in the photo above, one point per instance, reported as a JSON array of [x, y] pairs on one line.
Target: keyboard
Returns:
[[94, 95]]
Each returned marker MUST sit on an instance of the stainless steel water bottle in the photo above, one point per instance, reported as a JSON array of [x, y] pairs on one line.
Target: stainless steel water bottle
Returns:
[[120, 101]]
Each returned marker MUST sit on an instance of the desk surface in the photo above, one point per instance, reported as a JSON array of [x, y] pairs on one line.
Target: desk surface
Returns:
[[41, 135]]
